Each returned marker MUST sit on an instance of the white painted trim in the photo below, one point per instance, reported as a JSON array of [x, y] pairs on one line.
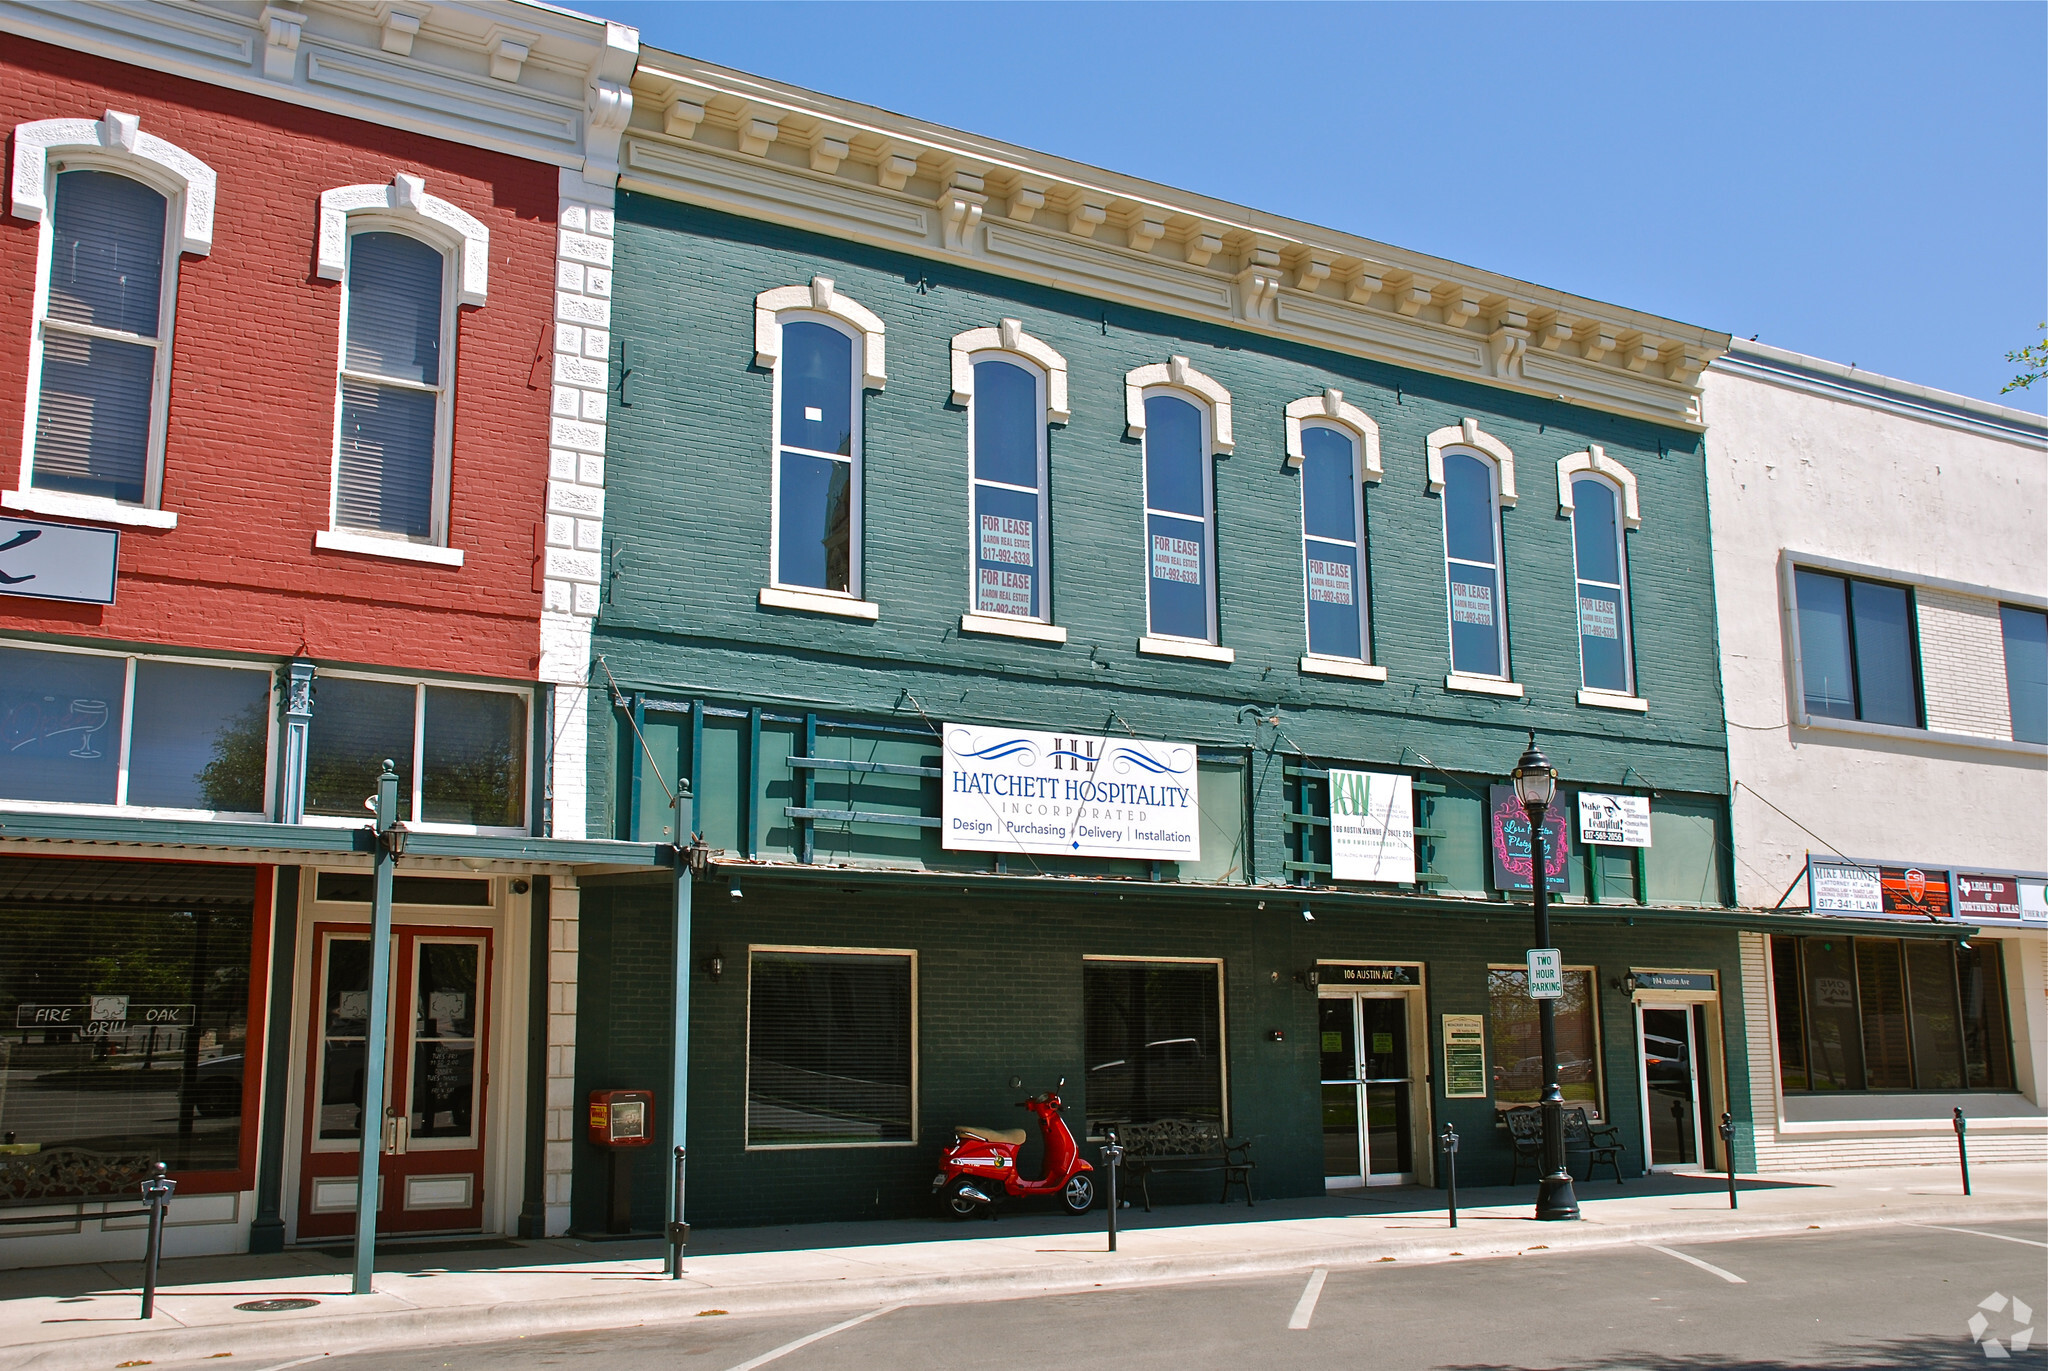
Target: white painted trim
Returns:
[[1919, 735], [1011, 337], [2022, 598], [820, 295], [1313, 665], [1594, 458], [1467, 433], [92, 507], [1012, 628], [1177, 373], [430, 216], [1332, 406], [1483, 685], [166, 165], [1604, 699], [1185, 647], [819, 602], [339, 540]]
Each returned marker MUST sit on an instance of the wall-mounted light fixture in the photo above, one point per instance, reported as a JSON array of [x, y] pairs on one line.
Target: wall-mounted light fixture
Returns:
[[1307, 917], [1278, 1035], [520, 886], [715, 965], [735, 891]]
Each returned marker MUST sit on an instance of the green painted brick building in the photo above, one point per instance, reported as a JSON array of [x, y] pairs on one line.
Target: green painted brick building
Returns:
[[789, 621]]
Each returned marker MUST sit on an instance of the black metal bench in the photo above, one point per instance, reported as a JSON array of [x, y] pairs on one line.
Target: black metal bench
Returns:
[[1602, 1145], [1185, 1145]]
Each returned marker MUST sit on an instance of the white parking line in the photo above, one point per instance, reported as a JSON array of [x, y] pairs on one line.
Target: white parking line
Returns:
[[821, 1334], [1728, 1276], [1305, 1308], [1980, 1233]]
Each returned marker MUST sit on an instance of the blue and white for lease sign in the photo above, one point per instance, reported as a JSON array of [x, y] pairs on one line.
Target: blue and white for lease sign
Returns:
[[58, 561], [1012, 790]]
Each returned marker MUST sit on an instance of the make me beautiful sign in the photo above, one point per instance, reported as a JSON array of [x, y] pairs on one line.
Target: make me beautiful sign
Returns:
[[1012, 791]]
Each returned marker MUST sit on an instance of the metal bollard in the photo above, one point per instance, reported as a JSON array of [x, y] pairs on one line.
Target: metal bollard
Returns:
[[1113, 1155], [156, 1193], [1962, 1149], [678, 1231], [1728, 1152], [1448, 1145]]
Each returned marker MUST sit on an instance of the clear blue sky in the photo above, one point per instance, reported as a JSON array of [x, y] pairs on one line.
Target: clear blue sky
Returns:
[[1867, 183]]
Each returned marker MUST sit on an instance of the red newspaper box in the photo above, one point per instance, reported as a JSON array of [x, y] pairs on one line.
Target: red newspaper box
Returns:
[[621, 1118]]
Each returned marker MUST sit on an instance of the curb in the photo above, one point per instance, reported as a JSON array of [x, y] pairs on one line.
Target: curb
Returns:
[[341, 1334]]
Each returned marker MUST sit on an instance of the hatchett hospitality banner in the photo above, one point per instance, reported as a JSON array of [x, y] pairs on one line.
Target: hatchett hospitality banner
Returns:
[[1009, 790]]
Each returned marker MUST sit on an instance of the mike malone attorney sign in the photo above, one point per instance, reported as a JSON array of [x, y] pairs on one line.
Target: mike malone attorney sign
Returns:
[[1009, 790]]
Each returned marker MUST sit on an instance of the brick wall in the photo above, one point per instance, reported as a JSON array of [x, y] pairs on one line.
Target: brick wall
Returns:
[[1962, 663], [250, 443]]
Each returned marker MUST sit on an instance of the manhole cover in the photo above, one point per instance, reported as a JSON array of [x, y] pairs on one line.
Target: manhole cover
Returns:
[[275, 1306]]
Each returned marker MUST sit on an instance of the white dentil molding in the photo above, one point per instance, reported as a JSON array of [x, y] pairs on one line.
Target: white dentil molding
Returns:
[[1467, 433], [1177, 373], [120, 138], [1011, 337], [1331, 405], [1595, 459], [406, 199], [821, 297]]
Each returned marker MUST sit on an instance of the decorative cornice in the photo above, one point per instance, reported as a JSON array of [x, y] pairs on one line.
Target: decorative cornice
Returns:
[[1467, 433], [1594, 458], [1332, 406], [821, 297], [406, 199], [1178, 374], [738, 143], [1011, 337], [120, 136]]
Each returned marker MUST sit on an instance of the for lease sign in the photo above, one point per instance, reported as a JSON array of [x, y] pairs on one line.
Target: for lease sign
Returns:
[[1014, 790]]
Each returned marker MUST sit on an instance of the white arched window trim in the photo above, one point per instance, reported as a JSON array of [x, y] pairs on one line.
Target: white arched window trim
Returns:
[[405, 202], [1467, 433], [1177, 374], [114, 143], [1011, 337], [119, 137], [821, 297], [1331, 406], [1595, 459]]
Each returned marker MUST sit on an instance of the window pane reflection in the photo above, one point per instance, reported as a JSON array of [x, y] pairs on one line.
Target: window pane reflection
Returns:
[[475, 758], [202, 737], [357, 725]]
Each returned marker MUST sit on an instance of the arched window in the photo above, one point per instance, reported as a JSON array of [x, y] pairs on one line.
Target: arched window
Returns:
[[1601, 558], [824, 348], [1013, 385], [1333, 542], [1472, 565], [118, 209], [1183, 420], [407, 262]]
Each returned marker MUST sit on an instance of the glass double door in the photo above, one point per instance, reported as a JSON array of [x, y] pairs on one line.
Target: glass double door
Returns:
[[1674, 1101], [1367, 1086], [431, 1129]]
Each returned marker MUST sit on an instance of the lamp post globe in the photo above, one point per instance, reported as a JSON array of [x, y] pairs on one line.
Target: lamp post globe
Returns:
[[1536, 786]]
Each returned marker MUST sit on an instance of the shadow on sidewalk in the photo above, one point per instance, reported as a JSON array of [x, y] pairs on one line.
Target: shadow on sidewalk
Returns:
[[1921, 1354]]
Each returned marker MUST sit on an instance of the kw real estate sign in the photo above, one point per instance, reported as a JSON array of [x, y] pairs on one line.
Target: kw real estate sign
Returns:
[[1372, 827], [1010, 790]]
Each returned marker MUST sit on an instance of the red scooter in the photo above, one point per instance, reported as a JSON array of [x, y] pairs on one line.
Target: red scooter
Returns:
[[980, 1169]]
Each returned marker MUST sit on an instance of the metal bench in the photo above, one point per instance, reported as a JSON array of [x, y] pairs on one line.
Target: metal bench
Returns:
[[1602, 1145], [1185, 1145]]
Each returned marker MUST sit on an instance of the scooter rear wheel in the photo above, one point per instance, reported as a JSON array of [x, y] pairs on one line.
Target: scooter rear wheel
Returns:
[[958, 1204], [1079, 1194]]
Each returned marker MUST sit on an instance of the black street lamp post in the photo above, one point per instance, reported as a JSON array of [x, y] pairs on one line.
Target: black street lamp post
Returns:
[[1535, 786]]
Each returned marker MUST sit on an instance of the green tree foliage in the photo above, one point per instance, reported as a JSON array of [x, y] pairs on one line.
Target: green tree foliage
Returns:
[[2033, 360], [233, 780]]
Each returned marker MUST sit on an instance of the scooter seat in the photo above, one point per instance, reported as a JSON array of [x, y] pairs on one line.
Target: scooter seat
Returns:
[[994, 1135]]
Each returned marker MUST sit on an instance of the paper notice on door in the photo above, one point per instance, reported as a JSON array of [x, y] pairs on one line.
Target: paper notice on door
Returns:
[[1471, 604], [1329, 582], [1004, 592], [1006, 540], [1597, 618], [1176, 559]]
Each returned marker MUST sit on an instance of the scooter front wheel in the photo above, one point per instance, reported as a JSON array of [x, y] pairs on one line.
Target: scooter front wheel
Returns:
[[1079, 1195]]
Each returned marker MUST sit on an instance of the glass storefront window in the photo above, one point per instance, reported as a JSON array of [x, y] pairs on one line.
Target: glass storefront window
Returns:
[[1517, 1046], [125, 995], [197, 736], [468, 768], [1897, 1014], [830, 1049], [1154, 1042]]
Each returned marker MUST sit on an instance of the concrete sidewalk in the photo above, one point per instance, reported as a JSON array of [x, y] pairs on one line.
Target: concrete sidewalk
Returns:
[[62, 1318]]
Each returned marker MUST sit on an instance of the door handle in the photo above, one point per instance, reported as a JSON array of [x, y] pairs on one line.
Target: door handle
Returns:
[[397, 1132]]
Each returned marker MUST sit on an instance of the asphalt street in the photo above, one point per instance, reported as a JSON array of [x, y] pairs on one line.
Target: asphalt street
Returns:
[[1901, 1296]]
